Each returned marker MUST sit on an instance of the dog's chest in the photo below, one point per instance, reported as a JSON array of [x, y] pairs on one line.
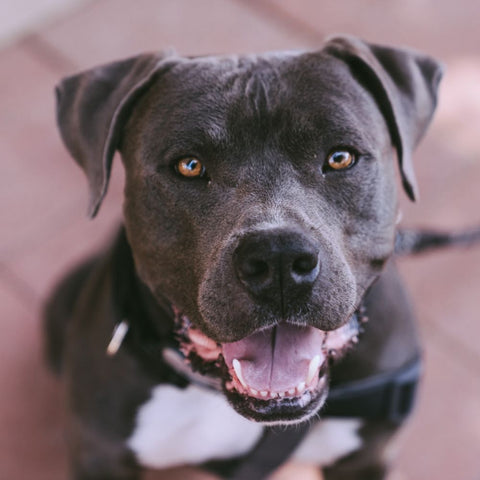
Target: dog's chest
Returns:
[[193, 425], [189, 426], [329, 440]]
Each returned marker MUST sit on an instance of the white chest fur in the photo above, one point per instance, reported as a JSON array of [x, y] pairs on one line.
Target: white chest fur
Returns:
[[329, 440], [187, 426]]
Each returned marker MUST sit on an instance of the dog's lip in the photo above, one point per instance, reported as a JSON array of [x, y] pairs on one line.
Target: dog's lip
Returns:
[[204, 346]]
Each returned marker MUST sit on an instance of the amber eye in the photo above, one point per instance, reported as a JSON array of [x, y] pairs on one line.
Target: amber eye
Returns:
[[190, 167], [341, 159]]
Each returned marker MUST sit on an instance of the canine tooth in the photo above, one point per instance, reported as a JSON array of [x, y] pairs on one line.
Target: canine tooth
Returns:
[[312, 368], [301, 387], [263, 393], [238, 372]]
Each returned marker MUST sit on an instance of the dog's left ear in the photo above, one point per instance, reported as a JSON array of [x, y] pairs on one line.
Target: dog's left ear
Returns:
[[92, 108], [404, 83]]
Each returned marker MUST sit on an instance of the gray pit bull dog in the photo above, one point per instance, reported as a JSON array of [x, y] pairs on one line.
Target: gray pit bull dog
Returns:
[[260, 218]]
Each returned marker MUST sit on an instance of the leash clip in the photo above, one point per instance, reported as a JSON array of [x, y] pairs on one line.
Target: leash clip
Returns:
[[118, 335]]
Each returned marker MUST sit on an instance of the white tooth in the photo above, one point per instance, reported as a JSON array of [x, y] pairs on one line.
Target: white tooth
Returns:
[[301, 387], [253, 391], [312, 368], [263, 393], [282, 394], [238, 371], [291, 391]]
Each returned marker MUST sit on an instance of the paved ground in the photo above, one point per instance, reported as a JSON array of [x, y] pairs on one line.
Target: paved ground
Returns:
[[43, 196]]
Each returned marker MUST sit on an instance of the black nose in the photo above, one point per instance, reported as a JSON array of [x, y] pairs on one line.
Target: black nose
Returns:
[[277, 265]]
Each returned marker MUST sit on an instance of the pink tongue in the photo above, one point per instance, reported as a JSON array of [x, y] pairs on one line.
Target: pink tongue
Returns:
[[276, 359]]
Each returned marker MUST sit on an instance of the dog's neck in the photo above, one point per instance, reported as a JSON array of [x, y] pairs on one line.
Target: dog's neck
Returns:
[[150, 323], [133, 299]]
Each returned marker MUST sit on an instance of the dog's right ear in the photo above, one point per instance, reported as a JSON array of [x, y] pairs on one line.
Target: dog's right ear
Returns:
[[405, 85], [92, 108]]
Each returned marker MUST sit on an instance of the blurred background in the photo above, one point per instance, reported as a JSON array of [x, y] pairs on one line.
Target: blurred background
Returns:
[[43, 196]]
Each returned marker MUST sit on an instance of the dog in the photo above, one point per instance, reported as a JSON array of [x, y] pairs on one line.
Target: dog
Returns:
[[249, 310]]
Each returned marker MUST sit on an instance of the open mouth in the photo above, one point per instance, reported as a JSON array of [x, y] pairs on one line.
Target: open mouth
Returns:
[[275, 375]]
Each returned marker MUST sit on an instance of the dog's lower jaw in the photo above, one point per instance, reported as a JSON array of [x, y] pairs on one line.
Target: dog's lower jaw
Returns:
[[281, 411]]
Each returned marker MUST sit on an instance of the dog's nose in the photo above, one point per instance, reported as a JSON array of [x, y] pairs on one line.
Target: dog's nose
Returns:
[[277, 265]]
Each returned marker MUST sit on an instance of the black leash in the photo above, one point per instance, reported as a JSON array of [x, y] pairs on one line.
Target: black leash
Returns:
[[271, 451]]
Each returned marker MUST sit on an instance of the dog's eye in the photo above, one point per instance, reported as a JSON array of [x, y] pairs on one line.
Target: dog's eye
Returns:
[[340, 160], [190, 167]]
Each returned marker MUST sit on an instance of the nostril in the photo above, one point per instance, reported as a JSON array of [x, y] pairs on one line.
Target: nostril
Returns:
[[304, 264], [254, 268]]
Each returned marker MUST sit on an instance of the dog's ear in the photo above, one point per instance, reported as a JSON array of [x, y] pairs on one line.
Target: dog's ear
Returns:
[[404, 83], [92, 108]]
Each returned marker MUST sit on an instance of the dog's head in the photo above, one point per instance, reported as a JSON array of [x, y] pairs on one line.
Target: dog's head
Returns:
[[260, 197]]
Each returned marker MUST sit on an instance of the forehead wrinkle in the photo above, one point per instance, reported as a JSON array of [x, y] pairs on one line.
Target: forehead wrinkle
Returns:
[[255, 85], [216, 131], [256, 93]]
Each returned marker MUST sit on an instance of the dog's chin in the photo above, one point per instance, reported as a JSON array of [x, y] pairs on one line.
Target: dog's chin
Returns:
[[278, 375]]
